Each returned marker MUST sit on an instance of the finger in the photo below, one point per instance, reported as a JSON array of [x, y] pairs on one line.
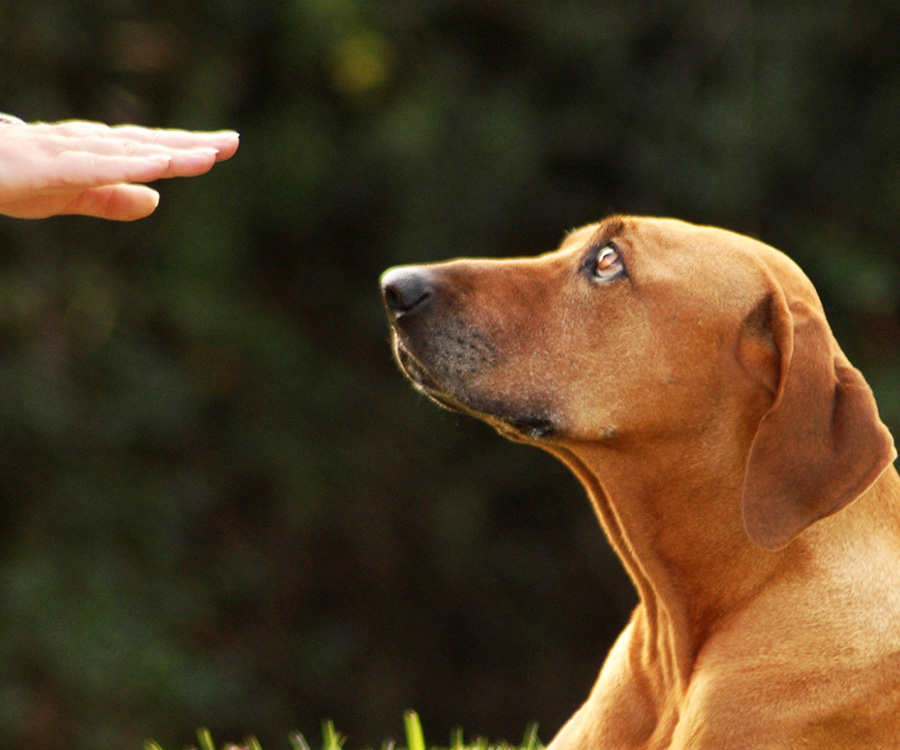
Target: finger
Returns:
[[98, 163], [190, 163], [222, 140], [128, 138], [78, 170], [116, 202], [227, 144], [224, 145], [137, 169]]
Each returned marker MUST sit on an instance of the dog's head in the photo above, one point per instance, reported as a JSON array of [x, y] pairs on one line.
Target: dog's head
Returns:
[[637, 331]]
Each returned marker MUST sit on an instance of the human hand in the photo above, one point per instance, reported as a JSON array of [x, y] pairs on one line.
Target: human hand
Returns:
[[92, 169]]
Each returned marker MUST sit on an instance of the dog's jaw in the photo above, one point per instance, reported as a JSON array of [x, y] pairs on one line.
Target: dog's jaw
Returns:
[[522, 424]]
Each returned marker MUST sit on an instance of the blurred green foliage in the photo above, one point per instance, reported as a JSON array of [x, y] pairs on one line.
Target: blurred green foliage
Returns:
[[220, 503]]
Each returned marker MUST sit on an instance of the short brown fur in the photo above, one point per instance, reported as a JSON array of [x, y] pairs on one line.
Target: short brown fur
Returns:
[[734, 458]]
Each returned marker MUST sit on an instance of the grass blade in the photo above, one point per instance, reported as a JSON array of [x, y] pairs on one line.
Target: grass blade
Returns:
[[531, 741], [205, 739], [331, 740], [415, 737]]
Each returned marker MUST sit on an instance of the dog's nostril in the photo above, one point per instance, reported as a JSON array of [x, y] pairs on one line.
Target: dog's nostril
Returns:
[[405, 289]]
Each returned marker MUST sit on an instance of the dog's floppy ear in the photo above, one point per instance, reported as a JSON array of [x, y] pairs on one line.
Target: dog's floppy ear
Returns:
[[821, 444]]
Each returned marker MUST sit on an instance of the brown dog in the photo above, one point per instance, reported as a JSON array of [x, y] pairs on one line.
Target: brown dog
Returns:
[[733, 455]]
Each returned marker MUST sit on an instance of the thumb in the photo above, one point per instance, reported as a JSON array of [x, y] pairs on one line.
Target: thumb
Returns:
[[116, 202]]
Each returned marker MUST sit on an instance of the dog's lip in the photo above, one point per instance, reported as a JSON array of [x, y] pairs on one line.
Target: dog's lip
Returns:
[[534, 428], [426, 383], [516, 427], [415, 370]]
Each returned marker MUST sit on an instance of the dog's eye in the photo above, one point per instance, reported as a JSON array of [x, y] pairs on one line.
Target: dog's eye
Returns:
[[609, 263]]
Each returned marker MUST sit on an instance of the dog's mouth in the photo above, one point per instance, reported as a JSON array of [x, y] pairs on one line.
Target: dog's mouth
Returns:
[[519, 423], [422, 379]]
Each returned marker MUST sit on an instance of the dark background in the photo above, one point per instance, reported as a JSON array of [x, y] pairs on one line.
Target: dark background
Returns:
[[220, 504]]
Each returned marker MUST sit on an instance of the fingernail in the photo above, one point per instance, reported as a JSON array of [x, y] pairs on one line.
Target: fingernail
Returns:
[[160, 158], [205, 151]]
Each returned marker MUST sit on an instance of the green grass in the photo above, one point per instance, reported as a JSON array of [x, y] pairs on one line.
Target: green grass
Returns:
[[331, 740]]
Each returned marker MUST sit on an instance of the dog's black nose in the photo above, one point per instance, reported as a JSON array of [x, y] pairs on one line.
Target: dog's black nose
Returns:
[[406, 289]]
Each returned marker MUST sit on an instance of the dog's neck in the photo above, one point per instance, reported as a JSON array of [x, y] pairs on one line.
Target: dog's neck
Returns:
[[686, 584]]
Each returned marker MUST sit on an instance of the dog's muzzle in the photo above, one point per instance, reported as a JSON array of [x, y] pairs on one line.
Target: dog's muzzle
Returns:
[[446, 357], [436, 348]]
